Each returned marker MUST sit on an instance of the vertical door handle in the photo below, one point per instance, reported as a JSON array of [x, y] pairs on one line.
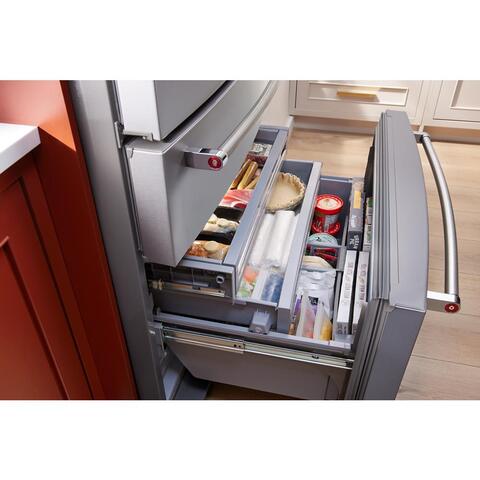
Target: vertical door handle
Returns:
[[448, 300]]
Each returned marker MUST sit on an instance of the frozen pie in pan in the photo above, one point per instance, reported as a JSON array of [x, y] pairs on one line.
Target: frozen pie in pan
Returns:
[[287, 192]]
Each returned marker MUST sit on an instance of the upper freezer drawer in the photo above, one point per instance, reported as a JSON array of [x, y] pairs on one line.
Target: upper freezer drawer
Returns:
[[153, 108], [174, 190]]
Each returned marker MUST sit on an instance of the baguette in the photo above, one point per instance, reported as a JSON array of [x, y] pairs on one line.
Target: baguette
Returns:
[[248, 177], [240, 174], [253, 183]]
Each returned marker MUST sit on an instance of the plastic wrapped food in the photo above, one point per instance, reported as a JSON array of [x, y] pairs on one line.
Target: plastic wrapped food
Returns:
[[306, 323], [273, 288], [288, 244], [278, 238], [259, 152], [210, 249], [248, 282], [220, 225], [262, 239], [236, 198], [260, 284], [323, 325], [319, 286], [317, 263]]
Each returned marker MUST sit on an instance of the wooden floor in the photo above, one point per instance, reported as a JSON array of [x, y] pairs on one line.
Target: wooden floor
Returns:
[[445, 363]]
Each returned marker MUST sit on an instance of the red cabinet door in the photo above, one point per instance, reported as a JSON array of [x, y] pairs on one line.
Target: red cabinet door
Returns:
[[38, 356]]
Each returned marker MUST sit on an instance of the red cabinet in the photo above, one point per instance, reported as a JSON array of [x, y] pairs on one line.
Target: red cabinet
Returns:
[[60, 332], [38, 355]]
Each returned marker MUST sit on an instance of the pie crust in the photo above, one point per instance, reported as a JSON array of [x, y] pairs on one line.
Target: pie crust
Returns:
[[287, 193]]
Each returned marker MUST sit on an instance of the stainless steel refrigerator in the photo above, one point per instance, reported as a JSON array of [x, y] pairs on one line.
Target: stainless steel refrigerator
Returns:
[[161, 155]]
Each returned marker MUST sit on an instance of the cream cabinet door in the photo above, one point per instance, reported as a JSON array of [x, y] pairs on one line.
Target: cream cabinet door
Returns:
[[458, 100], [358, 99]]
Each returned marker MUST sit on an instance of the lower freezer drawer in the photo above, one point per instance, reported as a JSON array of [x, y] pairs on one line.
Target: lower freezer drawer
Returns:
[[258, 366]]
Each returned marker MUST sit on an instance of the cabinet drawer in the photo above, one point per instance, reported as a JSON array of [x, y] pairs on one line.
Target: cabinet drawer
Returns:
[[359, 100]]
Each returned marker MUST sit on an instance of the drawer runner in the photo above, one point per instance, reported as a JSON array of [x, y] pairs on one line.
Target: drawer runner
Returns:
[[240, 346]]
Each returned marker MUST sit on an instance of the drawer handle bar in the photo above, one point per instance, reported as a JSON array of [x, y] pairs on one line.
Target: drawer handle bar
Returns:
[[216, 159], [448, 300], [367, 95]]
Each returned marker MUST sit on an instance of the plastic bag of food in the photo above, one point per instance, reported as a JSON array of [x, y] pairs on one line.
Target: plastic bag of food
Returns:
[[323, 325], [306, 324], [273, 288], [249, 280], [236, 198]]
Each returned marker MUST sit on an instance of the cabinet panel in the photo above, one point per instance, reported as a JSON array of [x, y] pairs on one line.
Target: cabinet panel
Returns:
[[459, 100], [38, 357], [359, 99]]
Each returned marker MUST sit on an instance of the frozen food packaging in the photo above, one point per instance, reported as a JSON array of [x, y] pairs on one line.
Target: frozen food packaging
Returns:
[[342, 321], [323, 325], [278, 237], [261, 240], [355, 218], [259, 152], [273, 288], [360, 289], [306, 323]]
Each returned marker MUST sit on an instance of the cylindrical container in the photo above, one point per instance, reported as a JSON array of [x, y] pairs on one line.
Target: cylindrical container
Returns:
[[327, 208]]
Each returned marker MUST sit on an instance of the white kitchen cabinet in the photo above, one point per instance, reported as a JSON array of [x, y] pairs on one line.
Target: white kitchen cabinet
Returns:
[[358, 100], [454, 103]]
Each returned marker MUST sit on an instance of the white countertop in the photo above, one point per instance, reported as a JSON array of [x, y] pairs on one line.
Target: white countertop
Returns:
[[15, 142]]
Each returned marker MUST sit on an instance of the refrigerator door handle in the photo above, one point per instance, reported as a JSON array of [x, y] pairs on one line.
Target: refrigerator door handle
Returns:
[[216, 159], [448, 300]]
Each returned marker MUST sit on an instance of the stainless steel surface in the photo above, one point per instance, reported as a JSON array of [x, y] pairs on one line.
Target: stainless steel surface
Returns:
[[241, 346], [173, 202], [216, 159], [450, 300], [152, 109]]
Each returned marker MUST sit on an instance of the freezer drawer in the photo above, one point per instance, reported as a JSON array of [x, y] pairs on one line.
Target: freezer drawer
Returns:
[[153, 108], [177, 184], [259, 366], [245, 311]]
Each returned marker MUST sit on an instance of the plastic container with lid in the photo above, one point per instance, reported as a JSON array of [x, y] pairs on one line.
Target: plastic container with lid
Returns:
[[327, 209]]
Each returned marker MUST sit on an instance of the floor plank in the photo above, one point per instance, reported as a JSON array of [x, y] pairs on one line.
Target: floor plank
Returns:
[[429, 379]]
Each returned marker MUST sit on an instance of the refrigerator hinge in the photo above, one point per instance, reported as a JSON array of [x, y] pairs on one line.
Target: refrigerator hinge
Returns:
[[119, 136]]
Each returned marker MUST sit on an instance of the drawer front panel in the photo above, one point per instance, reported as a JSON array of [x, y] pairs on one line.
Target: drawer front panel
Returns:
[[173, 201], [256, 366], [154, 108], [358, 100]]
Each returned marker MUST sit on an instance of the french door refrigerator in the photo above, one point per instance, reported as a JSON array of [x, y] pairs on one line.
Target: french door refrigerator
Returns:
[[161, 155]]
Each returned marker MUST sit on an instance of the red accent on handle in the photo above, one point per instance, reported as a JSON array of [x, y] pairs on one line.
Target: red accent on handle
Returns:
[[452, 307], [215, 163]]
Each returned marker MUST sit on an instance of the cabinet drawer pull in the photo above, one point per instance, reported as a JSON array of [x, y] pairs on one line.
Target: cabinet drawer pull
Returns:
[[363, 94]]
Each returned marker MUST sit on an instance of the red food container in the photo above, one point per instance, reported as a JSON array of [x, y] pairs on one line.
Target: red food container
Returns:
[[327, 209]]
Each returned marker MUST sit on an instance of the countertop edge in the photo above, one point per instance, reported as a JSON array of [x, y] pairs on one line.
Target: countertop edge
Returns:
[[21, 144]]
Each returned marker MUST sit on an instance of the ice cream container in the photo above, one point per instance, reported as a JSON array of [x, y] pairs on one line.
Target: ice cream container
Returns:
[[327, 209]]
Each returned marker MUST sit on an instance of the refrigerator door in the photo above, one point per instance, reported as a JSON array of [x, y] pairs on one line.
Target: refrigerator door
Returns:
[[399, 262], [154, 108], [177, 184]]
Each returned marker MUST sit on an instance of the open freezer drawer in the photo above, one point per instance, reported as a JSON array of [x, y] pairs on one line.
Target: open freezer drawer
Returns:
[[217, 347]]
